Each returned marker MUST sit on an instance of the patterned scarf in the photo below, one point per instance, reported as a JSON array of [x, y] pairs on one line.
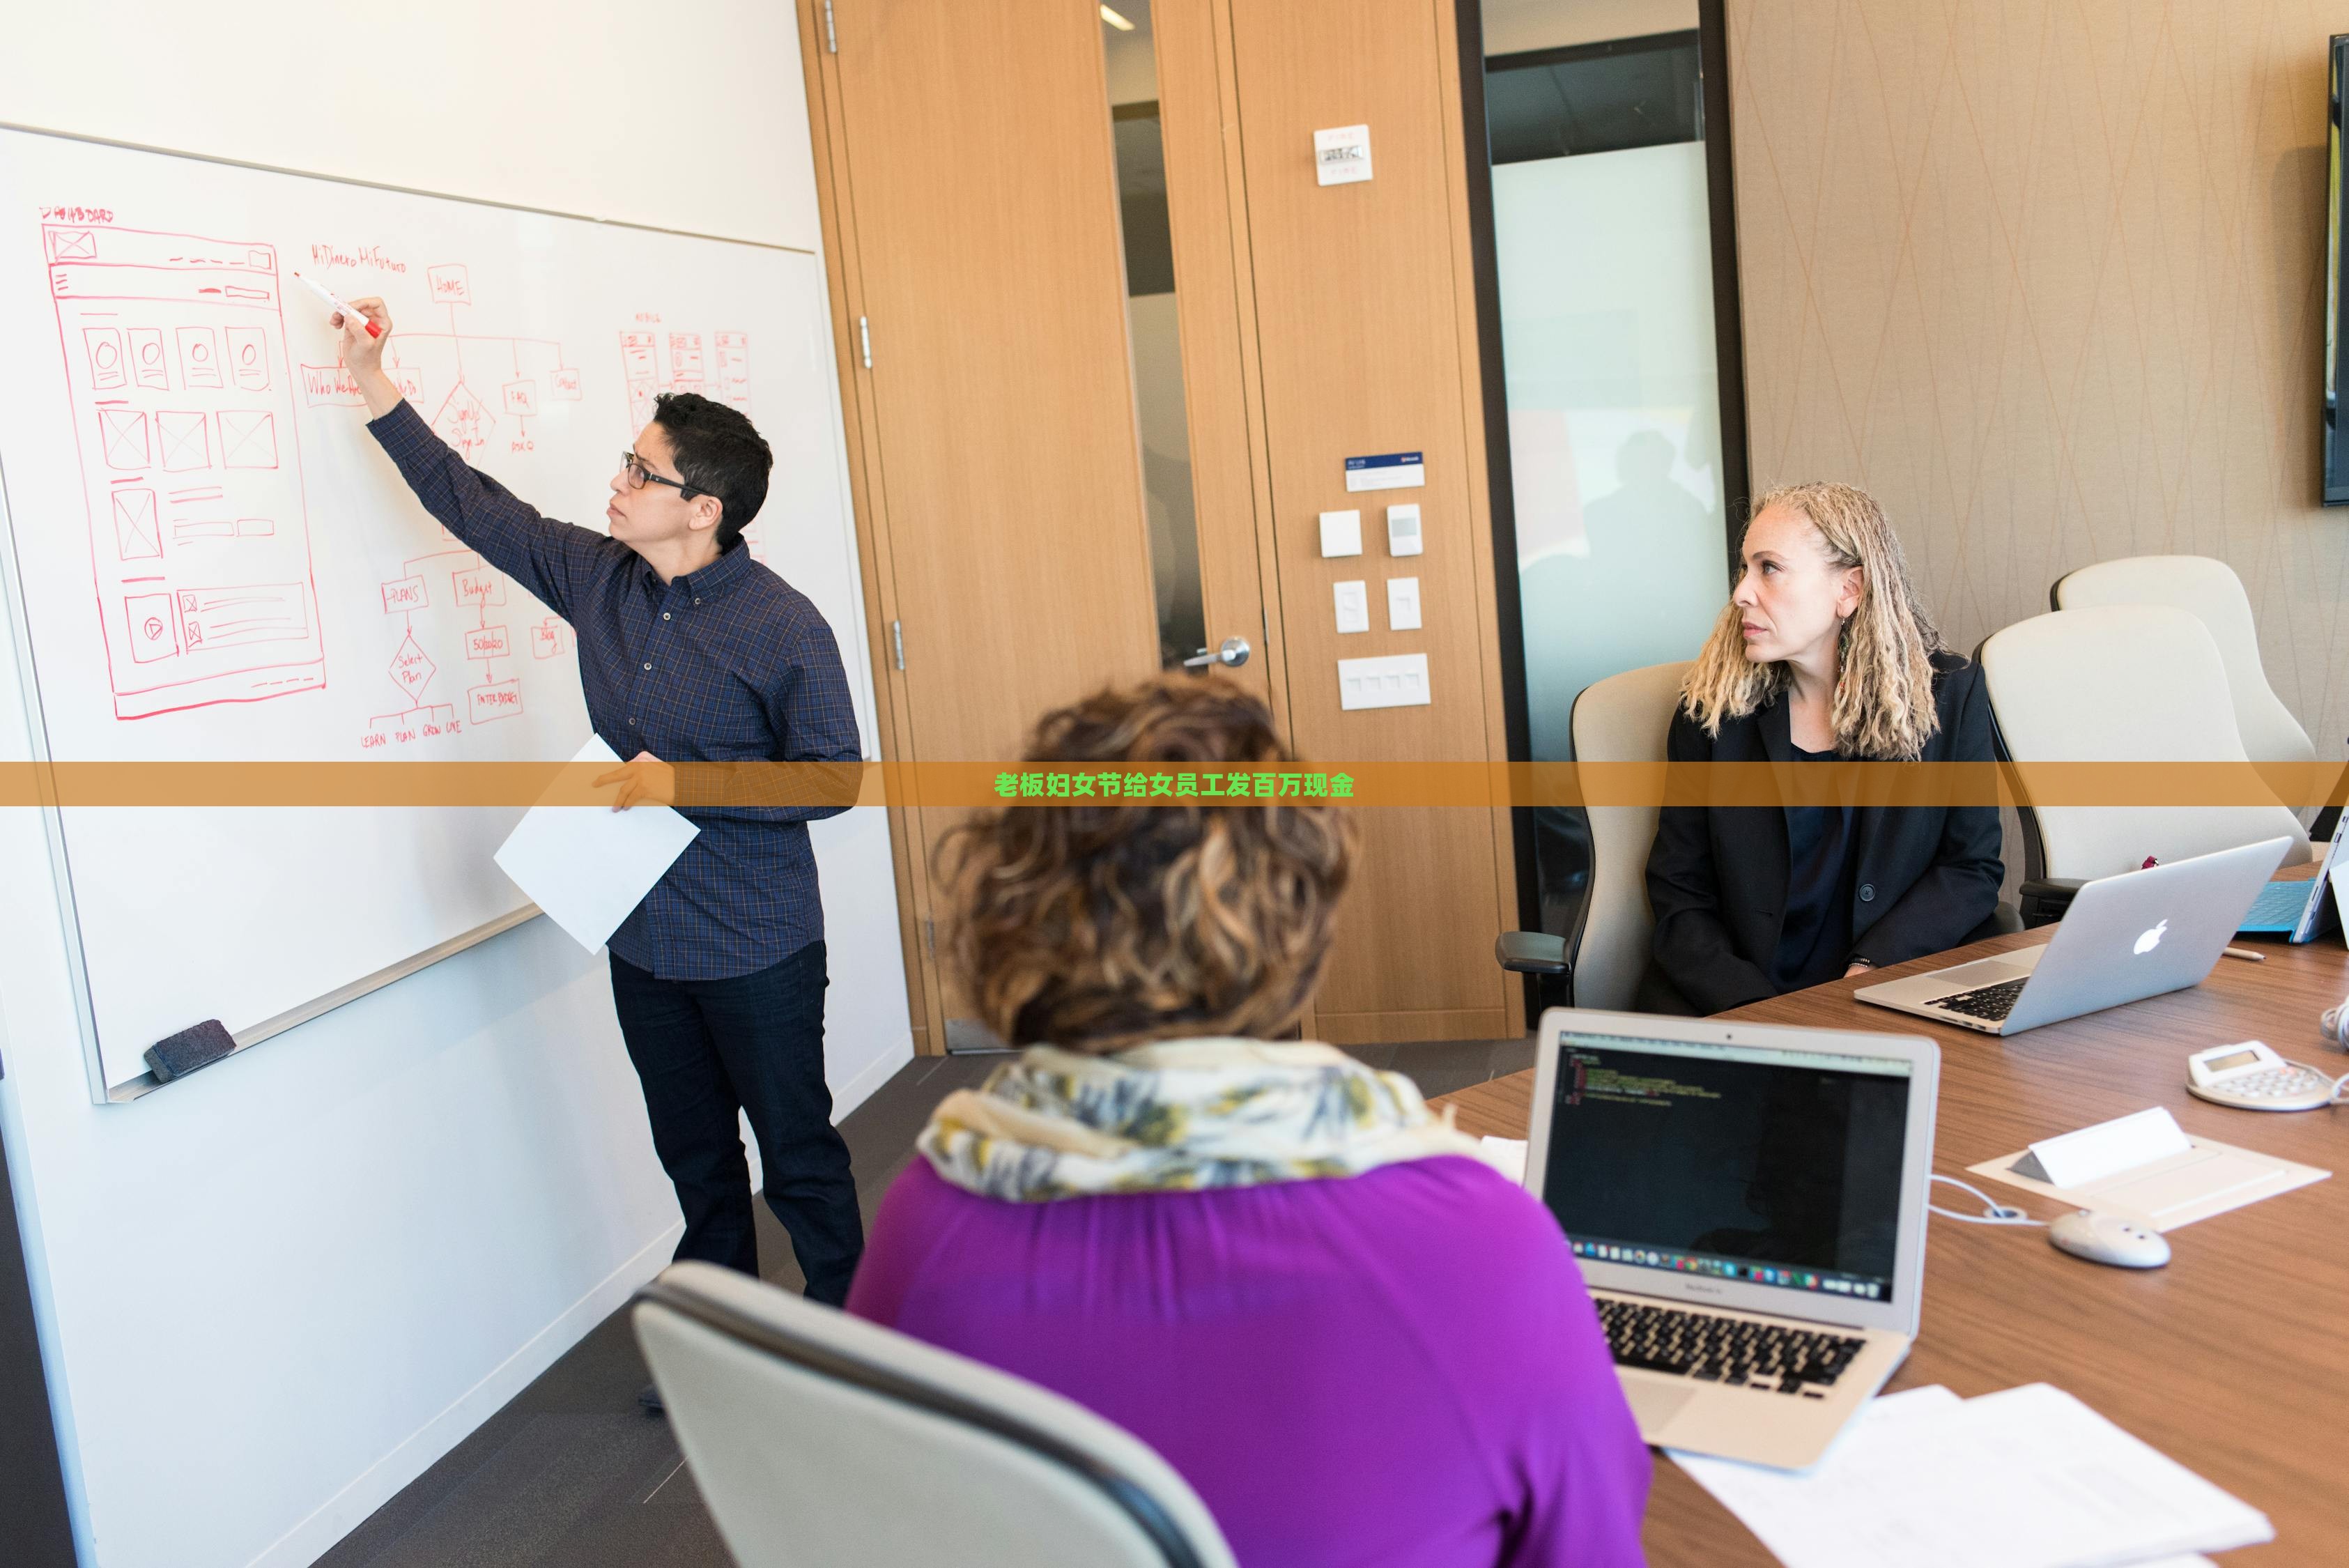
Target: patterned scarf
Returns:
[[1176, 1116]]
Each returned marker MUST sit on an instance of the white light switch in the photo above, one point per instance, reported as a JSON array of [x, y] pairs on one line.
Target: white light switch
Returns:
[[1342, 533], [1402, 604], [1353, 606], [1403, 529], [1398, 681]]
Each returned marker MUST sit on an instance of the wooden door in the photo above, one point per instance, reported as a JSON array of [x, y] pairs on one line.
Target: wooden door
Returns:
[[965, 163], [965, 149], [1366, 345]]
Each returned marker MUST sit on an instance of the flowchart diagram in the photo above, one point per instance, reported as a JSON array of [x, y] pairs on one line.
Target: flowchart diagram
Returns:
[[472, 584], [479, 391]]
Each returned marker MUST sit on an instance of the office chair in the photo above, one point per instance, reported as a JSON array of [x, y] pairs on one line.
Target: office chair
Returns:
[[818, 1439], [1622, 718], [2117, 683], [2209, 591]]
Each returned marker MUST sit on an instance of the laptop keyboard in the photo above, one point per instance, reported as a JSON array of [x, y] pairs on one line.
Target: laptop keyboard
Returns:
[[1991, 1003], [1732, 1350], [2278, 908]]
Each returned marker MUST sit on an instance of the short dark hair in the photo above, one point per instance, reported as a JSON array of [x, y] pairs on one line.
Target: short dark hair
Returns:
[[721, 452]]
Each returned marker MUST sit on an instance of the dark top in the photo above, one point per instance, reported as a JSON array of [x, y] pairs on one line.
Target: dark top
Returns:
[[1814, 943], [1721, 879], [727, 664]]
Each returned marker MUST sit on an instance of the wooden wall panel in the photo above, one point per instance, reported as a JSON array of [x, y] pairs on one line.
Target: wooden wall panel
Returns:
[[2046, 277], [1208, 219], [868, 496], [1356, 292]]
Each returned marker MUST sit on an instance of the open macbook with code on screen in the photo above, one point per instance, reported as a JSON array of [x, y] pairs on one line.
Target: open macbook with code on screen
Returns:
[[1747, 1205]]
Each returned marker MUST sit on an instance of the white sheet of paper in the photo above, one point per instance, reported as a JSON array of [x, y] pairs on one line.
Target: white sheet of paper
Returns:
[[1506, 1154], [588, 865], [2030, 1477]]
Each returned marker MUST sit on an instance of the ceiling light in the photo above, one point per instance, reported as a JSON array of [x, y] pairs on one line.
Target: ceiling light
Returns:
[[1114, 20]]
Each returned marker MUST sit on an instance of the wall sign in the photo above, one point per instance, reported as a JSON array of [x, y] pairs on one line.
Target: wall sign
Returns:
[[1387, 471]]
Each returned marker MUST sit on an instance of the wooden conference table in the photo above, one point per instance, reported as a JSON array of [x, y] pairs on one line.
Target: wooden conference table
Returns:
[[2233, 1360]]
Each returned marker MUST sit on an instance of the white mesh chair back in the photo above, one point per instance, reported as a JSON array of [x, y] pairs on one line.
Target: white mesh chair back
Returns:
[[2210, 592], [2123, 684], [819, 1440]]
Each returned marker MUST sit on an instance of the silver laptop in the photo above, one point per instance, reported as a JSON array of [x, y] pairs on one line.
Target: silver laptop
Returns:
[[1748, 1207], [2123, 939]]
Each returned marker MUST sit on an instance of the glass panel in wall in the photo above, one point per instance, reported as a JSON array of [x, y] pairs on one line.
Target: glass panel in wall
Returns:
[[1151, 321], [1595, 118], [1605, 258]]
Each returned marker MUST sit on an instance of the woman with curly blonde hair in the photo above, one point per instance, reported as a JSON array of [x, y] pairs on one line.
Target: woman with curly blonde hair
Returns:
[[1358, 1342], [1822, 655]]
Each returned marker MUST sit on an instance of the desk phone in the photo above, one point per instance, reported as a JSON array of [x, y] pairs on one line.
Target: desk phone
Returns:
[[2251, 1076]]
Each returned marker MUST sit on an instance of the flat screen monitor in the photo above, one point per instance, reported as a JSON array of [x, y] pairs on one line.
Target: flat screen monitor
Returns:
[[2336, 369]]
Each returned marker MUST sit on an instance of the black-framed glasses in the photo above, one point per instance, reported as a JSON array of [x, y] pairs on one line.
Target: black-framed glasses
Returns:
[[639, 476]]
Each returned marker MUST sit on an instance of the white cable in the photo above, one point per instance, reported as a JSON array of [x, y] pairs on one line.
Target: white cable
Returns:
[[2335, 1025], [1994, 1212]]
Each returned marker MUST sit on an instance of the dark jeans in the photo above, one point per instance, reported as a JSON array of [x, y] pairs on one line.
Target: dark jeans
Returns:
[[706, 1049]]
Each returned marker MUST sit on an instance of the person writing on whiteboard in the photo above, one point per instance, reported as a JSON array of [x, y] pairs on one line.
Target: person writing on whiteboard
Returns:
[[691, 650]]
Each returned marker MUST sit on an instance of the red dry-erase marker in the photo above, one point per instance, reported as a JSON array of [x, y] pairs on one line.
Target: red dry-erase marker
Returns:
[[359, 315]]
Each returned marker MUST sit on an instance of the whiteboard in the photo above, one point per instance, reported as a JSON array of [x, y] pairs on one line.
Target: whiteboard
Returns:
[[210, 559]]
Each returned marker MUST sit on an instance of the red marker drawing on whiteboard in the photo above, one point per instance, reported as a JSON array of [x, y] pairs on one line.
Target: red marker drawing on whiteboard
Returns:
[[359, 315]]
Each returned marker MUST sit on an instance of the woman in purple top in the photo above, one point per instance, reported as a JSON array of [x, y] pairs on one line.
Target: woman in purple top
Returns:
[[1360, 1343]]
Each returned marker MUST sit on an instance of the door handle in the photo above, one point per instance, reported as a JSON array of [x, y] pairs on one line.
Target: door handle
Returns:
[[1231, 656]]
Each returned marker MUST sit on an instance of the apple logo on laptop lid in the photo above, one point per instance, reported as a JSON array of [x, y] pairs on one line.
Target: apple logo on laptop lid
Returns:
[[2150, 940]]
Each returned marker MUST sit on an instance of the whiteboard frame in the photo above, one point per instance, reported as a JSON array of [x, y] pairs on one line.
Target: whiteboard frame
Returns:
[[35, 719]]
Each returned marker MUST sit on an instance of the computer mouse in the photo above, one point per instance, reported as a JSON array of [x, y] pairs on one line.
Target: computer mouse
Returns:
[[2109, 1239]]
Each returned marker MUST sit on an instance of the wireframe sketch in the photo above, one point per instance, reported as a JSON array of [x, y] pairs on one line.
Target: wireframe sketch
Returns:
[[734, 369], [641, 370], [199, 540], [724, 376], [685, 361]]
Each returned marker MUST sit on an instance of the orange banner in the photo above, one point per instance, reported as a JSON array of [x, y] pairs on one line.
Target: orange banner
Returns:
[[982, 785]]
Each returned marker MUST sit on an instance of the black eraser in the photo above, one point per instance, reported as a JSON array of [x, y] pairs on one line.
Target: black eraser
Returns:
[[200, 1045]]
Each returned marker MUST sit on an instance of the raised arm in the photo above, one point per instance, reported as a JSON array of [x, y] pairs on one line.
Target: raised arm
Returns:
[[553, 560]]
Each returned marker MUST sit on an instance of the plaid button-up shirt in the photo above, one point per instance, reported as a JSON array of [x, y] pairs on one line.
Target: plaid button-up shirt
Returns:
[[727, 664]]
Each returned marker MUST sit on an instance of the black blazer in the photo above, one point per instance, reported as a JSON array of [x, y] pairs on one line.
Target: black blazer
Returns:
[[1927, 878]]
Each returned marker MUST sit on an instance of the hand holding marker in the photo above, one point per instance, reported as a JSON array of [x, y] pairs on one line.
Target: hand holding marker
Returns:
[[373, 330]]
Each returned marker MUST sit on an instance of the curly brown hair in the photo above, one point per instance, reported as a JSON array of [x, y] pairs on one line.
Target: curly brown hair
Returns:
[[1096, 925]]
